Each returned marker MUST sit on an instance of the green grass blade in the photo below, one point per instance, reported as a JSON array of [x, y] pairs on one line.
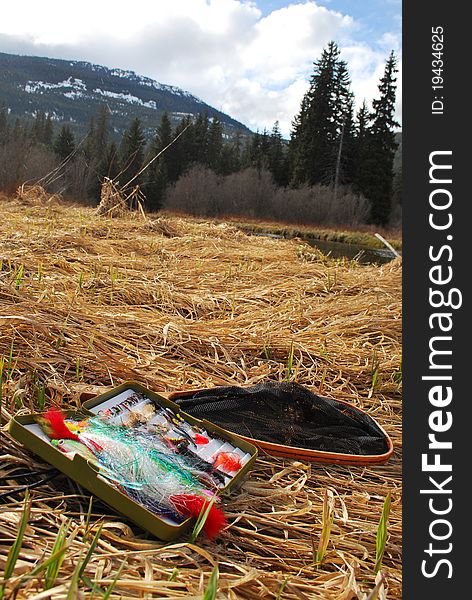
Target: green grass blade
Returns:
[[73, 590], [79, 570], [41, 393], [90, 551], [112, 585], [328, 518], [398, 375], [11, 366], [289, 367], [212, 587], [281, 589], [58, 549], [96, 589], [19, 276], [87, 519], [379, 581], [202, 517], [53, 559], [382, 533], [16, 547]]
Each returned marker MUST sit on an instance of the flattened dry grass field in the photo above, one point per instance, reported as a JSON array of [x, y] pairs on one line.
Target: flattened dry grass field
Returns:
[[88, 302]]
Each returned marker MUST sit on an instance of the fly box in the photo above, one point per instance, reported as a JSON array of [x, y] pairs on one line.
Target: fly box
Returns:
[[143, 456]]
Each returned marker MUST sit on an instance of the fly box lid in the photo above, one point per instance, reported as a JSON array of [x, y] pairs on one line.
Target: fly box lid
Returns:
[[142, 455]]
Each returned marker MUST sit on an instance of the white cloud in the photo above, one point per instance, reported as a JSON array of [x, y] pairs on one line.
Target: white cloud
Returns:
[[255, 68], [366, 67], [288, 39]]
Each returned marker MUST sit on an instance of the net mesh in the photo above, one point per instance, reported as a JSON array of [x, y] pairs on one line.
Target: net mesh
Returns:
[[288, 414]]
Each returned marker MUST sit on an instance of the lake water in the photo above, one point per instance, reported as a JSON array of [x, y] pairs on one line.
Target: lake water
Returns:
[[363, 254]]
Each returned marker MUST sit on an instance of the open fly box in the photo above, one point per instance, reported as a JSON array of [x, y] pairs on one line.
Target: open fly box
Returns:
[[132, 407]]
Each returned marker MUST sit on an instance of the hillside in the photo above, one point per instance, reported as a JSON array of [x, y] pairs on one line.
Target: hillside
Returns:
[[87, 302], [73, 91]]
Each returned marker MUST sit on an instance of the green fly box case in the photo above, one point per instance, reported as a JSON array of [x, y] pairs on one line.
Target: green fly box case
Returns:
[[143, 456]]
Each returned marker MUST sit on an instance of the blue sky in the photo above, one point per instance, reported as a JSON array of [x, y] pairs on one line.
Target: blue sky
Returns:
[[251, 59], [375, 16]]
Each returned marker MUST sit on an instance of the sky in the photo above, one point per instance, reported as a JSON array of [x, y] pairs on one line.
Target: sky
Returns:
[[250, 59]]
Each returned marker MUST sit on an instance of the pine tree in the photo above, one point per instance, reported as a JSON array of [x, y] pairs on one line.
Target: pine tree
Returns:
[[316, 126], [264, 148], [296, 150], [257, 151], [19, 131], [164, 133], [4, 126], [37, 129], [48, 132], [250, 154], [198, 136], [96, 149], [277, 160], [132, 153], [180, 154], [156, 177], [102, 127], [110, 165], [89, 145], [363, 155], [340, 170], [231, 160], [383, 146], [215, 144], [397, 188], [321, 141], [64, 144]]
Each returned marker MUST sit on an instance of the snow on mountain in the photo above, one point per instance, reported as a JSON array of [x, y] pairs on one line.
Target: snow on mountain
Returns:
[[74, 91], [32, 87], [126, 98]]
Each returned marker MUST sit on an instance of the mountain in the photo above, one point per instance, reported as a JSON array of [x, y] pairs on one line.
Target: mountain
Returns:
[[72, 92]]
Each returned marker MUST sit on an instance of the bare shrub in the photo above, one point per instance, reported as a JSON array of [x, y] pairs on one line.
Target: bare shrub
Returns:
[[317, 205], [396, 216], [77, 178], [22, 161], [252, 193], [249, 192], [196, 193], [355, 208]]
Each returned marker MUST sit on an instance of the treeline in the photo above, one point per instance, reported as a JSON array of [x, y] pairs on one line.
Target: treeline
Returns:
[[337, 166], [330, 145]]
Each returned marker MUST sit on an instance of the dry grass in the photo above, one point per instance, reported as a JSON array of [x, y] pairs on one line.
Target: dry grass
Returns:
[[36, 195], [116, 202], [112, 202], [87, 302]]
